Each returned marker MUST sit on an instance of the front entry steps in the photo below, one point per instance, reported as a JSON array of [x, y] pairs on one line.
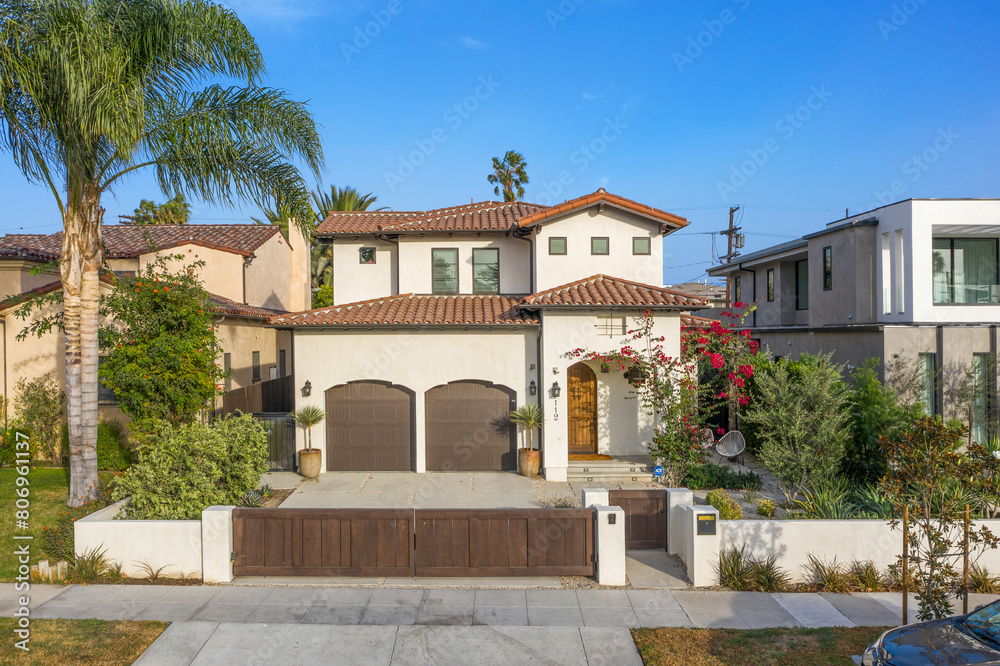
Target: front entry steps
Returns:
[[616, 469]]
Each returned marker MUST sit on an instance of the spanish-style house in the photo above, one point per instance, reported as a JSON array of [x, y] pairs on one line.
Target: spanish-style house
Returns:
[[251, 272], [914, 281], [446, 320]]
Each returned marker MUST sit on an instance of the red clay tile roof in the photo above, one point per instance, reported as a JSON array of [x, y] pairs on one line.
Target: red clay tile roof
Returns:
[[224, 306], [690, 321], [601, 290], [125, 241], [17, 299], [412, 310], [666, 219], [482, 216]]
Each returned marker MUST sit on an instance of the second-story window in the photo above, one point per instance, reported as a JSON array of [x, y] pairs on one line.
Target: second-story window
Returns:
[[557, 245], [801, 285], [827, 268], [770, 284], [367, 255], [738, 289], [255, 365], [599, 246], [965, 270], [444, 275], [227, 368], [611, 326], [486, 271], [641, 245]]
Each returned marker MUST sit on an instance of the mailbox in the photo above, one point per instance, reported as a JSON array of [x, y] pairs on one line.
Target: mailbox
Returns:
[[706, 524]]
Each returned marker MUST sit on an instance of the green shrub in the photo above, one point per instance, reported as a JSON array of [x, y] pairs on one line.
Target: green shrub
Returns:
[[982, 581], [828, 577], [113, 452], [866, 577], [181, 470], [766, 508], [39, 406], [741, 572], [711, 475], [801, 421], [728, 508], [8, 444]]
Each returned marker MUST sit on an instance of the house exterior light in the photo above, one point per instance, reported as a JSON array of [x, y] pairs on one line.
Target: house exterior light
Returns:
[[532, 388], [556, 390], [307, 389]]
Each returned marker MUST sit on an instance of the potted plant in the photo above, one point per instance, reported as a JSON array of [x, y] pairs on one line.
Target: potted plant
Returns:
[[310, 459], [528, 417]]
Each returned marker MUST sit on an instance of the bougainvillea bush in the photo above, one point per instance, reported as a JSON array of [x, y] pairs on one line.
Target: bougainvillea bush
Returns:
[[682, 393], [161, 361]]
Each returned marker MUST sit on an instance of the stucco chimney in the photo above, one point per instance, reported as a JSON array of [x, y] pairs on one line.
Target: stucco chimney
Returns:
[[300, 286]]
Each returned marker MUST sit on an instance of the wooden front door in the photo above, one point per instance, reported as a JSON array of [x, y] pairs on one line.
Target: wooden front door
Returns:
[[582, 392]]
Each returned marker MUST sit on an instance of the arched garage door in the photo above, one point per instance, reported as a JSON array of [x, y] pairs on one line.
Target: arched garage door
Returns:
[[369, 427], [467, 428]]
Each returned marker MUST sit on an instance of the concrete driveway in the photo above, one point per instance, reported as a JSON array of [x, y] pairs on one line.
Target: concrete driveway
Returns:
[[408, 490]]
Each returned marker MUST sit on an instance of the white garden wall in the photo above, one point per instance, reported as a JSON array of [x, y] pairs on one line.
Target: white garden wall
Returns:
[[176, 545]]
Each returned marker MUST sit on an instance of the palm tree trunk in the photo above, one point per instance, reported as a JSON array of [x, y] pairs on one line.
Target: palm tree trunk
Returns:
[[79, 267]]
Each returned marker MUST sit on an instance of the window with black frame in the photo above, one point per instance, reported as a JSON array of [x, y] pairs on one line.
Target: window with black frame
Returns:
[[965, 270], [444, 271], [770, 284], [486, 271], [801, 285]]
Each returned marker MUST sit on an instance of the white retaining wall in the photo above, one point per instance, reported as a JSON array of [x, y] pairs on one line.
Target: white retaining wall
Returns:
[[176, 545]]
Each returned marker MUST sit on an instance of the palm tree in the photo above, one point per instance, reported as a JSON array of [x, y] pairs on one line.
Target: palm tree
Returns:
[[510, 175], [94, 90], [306, 417], [528, 417], [340, 199]]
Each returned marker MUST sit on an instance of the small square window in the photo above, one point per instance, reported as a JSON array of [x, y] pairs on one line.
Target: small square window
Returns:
[[557, 246], [611, 326], [599, 246], [641, 245], [367, 255]]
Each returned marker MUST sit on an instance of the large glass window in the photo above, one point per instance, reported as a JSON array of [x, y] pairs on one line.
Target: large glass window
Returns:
[[965, 270], [801, 285], [927, 374], [444, 271], [486, 271]]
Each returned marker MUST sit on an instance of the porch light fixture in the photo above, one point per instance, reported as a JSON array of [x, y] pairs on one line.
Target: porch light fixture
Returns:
[[635, 375], [556, 390], [532, 388], [307, 389]]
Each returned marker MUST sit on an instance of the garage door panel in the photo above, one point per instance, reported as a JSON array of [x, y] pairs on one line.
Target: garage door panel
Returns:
[[369, 427], [467, 428]]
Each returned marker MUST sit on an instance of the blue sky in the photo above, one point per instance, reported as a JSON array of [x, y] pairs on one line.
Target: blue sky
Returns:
[[796, 111]]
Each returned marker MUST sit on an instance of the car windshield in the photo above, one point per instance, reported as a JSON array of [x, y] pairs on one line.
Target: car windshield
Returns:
[[985, 623]]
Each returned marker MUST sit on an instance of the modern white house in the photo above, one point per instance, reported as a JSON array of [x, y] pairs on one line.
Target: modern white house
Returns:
[[446, 320], [916, 280]]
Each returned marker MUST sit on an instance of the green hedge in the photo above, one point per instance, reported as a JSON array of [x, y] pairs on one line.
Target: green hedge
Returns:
[[113, 452]]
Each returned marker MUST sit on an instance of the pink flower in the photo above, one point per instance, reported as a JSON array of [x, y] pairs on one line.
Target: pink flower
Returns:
[[718, 361], [739, 304]]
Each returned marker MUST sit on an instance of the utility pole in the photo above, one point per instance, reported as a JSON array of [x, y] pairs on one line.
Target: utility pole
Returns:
[[735, 243]]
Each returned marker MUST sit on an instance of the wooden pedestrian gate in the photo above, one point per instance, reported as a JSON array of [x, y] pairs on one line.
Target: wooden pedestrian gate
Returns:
[[645, 517], [408, 542]]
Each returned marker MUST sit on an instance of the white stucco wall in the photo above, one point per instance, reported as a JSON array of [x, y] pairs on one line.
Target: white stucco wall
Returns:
[[354, 281], [175, 545], [578, 228], [623, 428], [415, 261], [418, 359]]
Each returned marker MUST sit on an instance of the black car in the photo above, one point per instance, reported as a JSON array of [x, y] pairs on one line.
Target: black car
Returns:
[[966, 639]]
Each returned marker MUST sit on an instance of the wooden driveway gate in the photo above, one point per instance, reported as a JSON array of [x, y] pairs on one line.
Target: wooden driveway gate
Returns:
[[407, 542], [645, 517]]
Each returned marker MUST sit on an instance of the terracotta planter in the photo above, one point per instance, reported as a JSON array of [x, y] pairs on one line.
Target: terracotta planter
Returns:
[[310, 463], [528, 461]]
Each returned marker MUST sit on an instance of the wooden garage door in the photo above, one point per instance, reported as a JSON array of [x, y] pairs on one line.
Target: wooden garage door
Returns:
[[645, 517], [369, 427], [467, 427]]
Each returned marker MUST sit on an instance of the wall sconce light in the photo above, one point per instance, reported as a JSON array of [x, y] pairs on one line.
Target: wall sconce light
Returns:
[[533, 388], [556, 390], [307, 389]]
